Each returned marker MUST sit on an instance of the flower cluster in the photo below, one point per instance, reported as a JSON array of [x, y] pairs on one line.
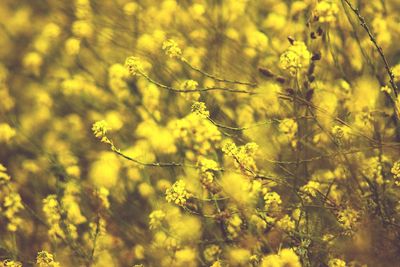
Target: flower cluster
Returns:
[[235, 146], [396, 171], [134, 65], [286, 223], [6, 133], [10, 263], [285, 257], [211, 253], [100, 129], [200, 109], [172, 49], [234, 225], [310, 190], [195, 133], [272, 201], [52, 211], [10, 202], [156, 218], [177, 193], [326, 11], [337, 263], [46, 259], [189, 85], [289, 128], [295, 58], [348, 219], [207, 167], [243, 155]]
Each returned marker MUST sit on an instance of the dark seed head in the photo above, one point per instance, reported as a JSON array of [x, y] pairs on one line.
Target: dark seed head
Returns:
[[316, 56], [280, 79], [320, 31], [311, 69], [313, 35], [266, 72], [309, 94]]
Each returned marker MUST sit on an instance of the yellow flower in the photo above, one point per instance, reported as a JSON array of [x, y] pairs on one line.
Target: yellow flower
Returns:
[[207, 164], [272, 201], [295, 58], [396, 170], [326, 11], [177, 193], [348, 219], [337, 263], [243, 155], [288, 127], [82, 29], [134, 65], [310, 189], [156, 218], [46, 259], [200, 109], [216, 264], [172, 49], [100, 129], [185, 256], [12, 206], [195, 133], [234, 226], [102, 194], [10, 263], [286, 224], [285, 258], [51, 209], [189, 85], [33, 62], [211, 253], [72, 46], [130, 8], [4, 177]]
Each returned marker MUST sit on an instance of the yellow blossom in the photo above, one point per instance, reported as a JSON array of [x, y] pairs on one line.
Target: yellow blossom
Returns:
[[46, 259], [337, 263], [326, 11], [295, 58], [172, 49], [156, 218], [285, 258], [177, 193], [134, 65], [200, 109]]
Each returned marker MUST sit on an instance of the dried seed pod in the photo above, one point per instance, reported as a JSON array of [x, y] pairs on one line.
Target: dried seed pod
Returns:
[[313, 35], [316, 56], [266, 72], [290, 91], [280, 79], [309, 94], [311, 69], [320, 31]]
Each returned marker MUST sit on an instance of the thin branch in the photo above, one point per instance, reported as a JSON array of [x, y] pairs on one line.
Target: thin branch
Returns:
[[377, 46], [176, 90], [217, 78]]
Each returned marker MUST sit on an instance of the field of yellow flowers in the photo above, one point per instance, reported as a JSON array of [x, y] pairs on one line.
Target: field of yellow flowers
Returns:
[[189, 133]]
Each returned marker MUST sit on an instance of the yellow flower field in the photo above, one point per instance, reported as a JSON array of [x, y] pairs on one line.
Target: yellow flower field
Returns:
[[200, 133]]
